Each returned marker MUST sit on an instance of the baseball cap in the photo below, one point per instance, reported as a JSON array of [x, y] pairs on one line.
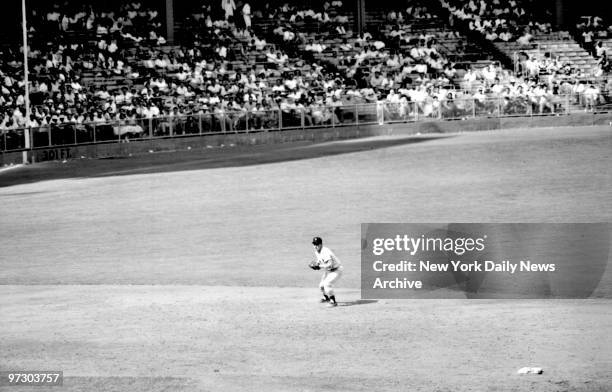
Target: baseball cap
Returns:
[[317, 241]]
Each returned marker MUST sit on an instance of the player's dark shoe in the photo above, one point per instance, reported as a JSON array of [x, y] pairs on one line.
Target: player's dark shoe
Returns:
[[324, 301]]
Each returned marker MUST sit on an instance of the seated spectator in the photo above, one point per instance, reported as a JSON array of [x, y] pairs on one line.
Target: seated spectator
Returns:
[[525, 39], [600, 50], [315, 47]]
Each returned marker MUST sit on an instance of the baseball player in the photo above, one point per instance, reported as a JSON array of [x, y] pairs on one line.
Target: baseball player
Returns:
[[332, 270]]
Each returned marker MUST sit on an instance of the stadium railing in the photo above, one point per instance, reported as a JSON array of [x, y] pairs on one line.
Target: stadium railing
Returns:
[[383, 112]]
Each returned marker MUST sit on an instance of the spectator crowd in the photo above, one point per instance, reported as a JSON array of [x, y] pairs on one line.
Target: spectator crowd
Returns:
[[246, 68], [595, 36]]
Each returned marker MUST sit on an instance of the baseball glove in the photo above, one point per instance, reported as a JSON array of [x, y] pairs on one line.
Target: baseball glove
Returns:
[[314, 265]]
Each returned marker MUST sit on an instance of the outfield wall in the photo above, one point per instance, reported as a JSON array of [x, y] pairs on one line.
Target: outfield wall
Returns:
[[178, 143]]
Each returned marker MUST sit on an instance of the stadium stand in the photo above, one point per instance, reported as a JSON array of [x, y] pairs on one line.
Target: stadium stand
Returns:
[[100, 73]]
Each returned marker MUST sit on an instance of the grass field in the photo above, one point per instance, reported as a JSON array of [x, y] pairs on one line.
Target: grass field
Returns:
[[187, 271]]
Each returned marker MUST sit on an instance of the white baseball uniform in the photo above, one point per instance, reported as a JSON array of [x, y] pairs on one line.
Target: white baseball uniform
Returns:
[[332, 269]]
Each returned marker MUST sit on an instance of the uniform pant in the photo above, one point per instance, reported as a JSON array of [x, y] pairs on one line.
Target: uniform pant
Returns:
[[328, 280]]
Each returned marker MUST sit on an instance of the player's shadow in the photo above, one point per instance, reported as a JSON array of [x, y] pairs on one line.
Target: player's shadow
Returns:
[[358, 302]]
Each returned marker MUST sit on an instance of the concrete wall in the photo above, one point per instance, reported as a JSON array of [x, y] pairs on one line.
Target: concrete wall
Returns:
[[314, 135]]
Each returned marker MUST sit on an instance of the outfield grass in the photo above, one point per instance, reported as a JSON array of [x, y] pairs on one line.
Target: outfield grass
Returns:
[[187, 271]]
